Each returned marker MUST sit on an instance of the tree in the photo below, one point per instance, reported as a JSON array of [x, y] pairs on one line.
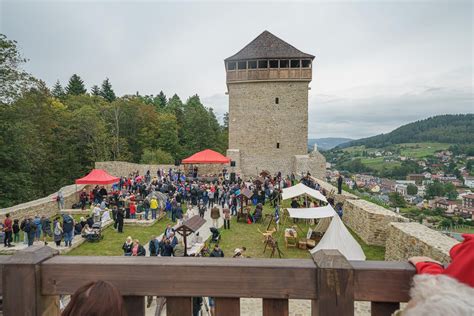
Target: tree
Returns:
[[412, 189], [156, 156], [95, 90], [434, 189], [106, 91], [450, 191], [396, 199], [75, 86], [58, 91], [13, 79], [161, 100]]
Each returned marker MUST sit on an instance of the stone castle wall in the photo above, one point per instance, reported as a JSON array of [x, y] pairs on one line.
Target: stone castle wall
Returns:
[[406, 240], [46, 206], [258, 125]]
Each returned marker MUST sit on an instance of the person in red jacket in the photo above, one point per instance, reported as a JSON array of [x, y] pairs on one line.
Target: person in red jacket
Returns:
[[8, 229], [461, 267], [133, 210], [439, 290]]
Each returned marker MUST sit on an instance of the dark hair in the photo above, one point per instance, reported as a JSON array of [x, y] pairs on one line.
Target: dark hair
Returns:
[[7, 215], [99, 298]]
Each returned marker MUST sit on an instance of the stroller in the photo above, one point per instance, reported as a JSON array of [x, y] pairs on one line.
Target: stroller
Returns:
[[216, 235], [96, 234]]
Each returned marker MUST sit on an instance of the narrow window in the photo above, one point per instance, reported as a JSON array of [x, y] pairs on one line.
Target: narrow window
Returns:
[[295, 63], [277, 100], [262, 64], [278, 145], [242, 65], [252, 64], [273, 63], [306, 63], [231, 66], [284, 63]]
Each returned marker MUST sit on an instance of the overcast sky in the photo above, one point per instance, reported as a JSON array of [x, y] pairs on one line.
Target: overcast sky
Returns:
[[378, 64]]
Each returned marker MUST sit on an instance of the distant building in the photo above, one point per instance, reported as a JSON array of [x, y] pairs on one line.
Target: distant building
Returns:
[[468, 200], [417, 177], [469, 182]]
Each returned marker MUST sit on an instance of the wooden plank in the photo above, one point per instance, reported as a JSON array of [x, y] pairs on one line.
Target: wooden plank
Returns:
[[227, 306], [21, 280], [3, 259], [383, 308], [265, 278], [382, 281], [135, 305], [275, 307], [335, 283], [178, 306]]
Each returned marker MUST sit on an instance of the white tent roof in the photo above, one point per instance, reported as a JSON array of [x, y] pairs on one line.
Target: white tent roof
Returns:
[[301, 189], [336, 236]]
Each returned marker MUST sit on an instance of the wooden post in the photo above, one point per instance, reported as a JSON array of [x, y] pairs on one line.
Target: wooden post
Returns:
[[22, 283], [178, 306], [135, 305], [227, 306], [335, 284], [275, 307]]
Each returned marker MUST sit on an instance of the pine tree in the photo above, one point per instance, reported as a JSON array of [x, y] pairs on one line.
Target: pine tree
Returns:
[[75, 86], [95, 90], [58, 91], [107, 92], [162, 99]]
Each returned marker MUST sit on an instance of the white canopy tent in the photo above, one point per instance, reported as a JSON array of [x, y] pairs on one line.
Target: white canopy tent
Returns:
[[301, 189], [336, 236]]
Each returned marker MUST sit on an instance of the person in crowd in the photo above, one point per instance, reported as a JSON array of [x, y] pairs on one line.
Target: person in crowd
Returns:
[[58, 231], [257, 214], [168, 231], [78, 228], [166, 248], [120, 218], [173, 240], [239, 253], [153, 207], [83, 199], [60, 200], [444, 291], [202, 209], [8, 230], [29, 227], [68, 229], [96, 213], [154, 246], [37, 221], [215, 215], [16, 230], [98, 298], [234, 205], [146, 207], [46, 227], [339, 184], [137, 249], [339, 210], [217, 251], [133, 210], [127, 246], [83, 221], [226, 214], [86, 230]]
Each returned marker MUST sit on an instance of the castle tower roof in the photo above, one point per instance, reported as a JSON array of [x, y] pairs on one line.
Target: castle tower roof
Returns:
[[266, 46]]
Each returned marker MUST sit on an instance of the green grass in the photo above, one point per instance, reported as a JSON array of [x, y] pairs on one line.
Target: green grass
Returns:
[[466, 229], [371, 252], [112, 243], [378, 163]]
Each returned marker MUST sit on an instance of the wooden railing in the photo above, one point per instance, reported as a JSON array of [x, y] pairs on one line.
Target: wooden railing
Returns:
[[32, 280]]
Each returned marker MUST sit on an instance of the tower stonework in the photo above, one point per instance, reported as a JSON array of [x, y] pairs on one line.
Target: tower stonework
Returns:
[[267, 83]]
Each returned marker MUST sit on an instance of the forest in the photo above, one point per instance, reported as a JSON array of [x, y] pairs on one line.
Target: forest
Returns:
[[452, 129], [49, 136]]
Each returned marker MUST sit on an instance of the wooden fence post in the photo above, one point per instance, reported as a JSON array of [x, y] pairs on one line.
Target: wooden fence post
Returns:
[[335, 284], [22, 284]]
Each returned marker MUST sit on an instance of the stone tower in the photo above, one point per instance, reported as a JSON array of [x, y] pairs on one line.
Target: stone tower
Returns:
[[267, 83]]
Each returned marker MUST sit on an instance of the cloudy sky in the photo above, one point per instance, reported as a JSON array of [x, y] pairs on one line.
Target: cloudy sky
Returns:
[[378, 64]]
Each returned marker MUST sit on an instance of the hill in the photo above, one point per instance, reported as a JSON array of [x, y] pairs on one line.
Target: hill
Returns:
[[452, 129], [327, 143]]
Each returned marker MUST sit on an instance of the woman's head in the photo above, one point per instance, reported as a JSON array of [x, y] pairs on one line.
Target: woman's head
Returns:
[[96, 299], [129, 239]]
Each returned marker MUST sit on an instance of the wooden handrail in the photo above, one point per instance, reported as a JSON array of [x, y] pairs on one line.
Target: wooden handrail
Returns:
[[329, 280]]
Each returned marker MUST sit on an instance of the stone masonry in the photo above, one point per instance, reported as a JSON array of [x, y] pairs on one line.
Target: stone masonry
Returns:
[[413, 239]]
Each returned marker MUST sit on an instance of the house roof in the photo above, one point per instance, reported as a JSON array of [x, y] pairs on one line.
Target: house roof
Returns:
[[192, 224], [266, 46]]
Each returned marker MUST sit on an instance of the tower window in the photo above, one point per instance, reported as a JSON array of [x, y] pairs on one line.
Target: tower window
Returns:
[[295, 64], [263, 64], [277, 100], [306, 63], [242, 65], [284, 63], [278, 145], [273, 63], [231, 65], [252, 64]]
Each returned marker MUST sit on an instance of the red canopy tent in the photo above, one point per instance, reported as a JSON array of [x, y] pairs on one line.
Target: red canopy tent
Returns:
[[206, 156], [98, 176]]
